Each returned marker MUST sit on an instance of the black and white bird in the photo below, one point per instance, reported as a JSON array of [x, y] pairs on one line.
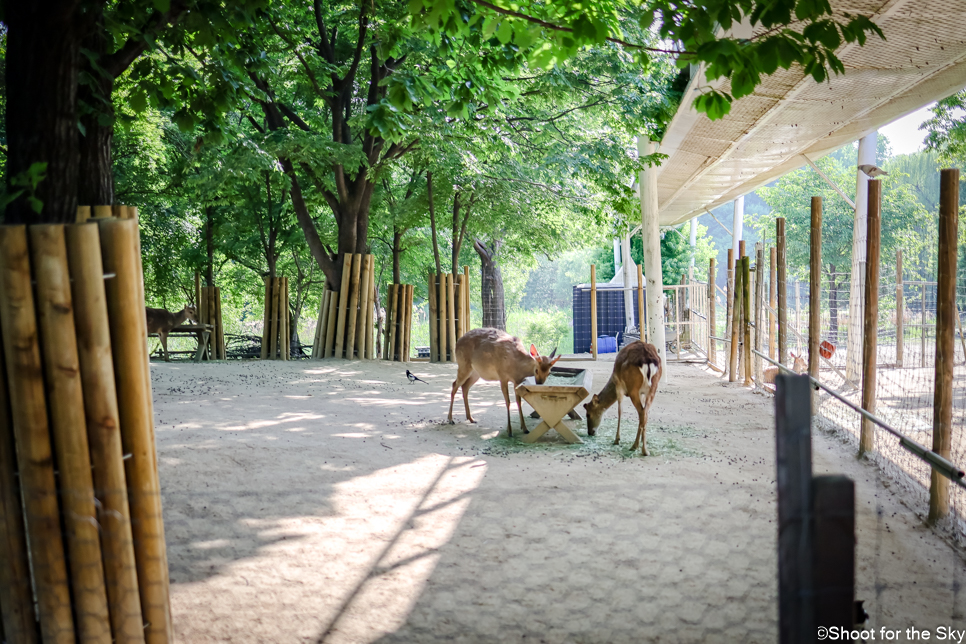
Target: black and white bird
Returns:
[[872, 171], [412, 378]]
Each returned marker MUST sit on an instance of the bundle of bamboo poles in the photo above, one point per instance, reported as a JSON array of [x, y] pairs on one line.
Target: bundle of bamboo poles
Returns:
[[276, 336], [399, 322], [75, 390], [346, 316], [449, 313], [208, 301]]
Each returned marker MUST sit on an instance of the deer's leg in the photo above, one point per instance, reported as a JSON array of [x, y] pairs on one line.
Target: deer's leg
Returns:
[[523, 423], [461, 376], [506, 397], [466, 394], [164, 345], [641, 421], [648, 400], [617, 439]]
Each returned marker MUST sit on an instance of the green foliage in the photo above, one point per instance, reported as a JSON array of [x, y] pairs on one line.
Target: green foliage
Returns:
[[546, 328], [946, 130]]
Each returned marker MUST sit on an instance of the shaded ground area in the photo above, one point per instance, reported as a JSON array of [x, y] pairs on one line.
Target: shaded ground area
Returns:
[[323, 501]]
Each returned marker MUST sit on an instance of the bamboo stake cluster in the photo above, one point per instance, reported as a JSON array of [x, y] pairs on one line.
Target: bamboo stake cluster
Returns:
[[346, 316], [75, 390], [209, 312], [399, 321], [449, 313], [275, 321]]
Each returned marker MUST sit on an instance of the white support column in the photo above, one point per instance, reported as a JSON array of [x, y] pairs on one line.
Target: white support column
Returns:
[[617, 254], [853, 364], [737, 225], [651, 236], [629, 269], [694, 244]]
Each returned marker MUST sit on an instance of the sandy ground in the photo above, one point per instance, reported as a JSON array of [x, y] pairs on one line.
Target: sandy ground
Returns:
[[325, 502]]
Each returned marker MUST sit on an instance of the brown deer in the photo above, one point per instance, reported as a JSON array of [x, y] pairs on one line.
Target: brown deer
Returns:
[[637, 370], [492, 354], [161, 321], [768, 375]]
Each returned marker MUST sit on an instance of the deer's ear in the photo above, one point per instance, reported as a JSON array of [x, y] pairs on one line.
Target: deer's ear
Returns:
[[595, 399], [554, 361], [533, 351]]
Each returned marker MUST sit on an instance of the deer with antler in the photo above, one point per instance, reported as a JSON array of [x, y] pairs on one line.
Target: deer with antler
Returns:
[[161, 321], [492, 354], [637, 370]]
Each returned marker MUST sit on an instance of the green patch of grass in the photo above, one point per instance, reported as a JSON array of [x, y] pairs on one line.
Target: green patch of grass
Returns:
[[663, 441]]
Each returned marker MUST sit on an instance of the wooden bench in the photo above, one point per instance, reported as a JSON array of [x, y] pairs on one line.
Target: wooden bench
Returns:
[[201, 331]]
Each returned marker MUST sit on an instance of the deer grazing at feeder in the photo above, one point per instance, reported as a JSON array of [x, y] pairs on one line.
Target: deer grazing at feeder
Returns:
[[768, 375], [161, 321], [492, 354], [637, 370]]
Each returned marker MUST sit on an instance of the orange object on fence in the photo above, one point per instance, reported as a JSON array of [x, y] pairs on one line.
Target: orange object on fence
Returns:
[[826, 349]]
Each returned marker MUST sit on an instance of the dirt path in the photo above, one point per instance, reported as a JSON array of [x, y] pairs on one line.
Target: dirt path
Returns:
[[324, 502]]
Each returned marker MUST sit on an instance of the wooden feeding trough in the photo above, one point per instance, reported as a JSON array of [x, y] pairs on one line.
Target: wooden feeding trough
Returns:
[[555, 399]]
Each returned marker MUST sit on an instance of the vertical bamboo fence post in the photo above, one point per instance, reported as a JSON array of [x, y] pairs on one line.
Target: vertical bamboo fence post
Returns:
[[712, 319], [266, 317], [593, 311], [370, 314], [125, 303], [219, 326], [273, 329], [730, 288], [69, 429], [735, 325], [458, 305], [433, 324], [772, 301], [466, 290], [443, 307], [350, 345], [759, 293], [740, 316], [900, 309], [782, 291], [641, 320], [815, 290], [871, 313], [83, 214], [945, 346], [450, 317], [103, 430], [16, 597], [286, 322], [391, 306], [360, 329], [746, 315], [34, 452], [409, 322], [319, 340], [342, 307], [330, 325]]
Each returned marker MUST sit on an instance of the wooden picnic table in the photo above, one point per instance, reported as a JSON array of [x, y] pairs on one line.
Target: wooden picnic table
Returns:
[[201, 331]]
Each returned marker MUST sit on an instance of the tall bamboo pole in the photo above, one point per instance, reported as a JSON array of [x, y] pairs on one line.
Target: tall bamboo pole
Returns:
[[371, 299], [712, 320], [392, 307], [871, 312], [83, 214], [815, 289], [433, 320], [782, 291], [220, 329], [759, 294], [441, 322], [466, 304], [319, 342], [273, 330], [343, 305], [945, 346], [363, 306], [593, 311], [451, 316], [16, 597], [350, 347], [330, 325], [900, 310], [266, 317], [198, 290], [101, 212], [34, 452], [103, 430], [730, 293], [125, 303], [409, 323], [772, 301], [735, 326], [69, 428], [746, 315], [286, 340]]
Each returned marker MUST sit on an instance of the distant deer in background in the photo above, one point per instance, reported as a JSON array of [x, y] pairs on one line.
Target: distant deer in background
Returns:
[[492, 354], [161, 321], [768, 375], [637, 370]]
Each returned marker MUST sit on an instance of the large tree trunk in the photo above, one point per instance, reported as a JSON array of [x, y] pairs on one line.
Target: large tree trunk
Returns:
[[96, 174], [491, 285], [43, 49]]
